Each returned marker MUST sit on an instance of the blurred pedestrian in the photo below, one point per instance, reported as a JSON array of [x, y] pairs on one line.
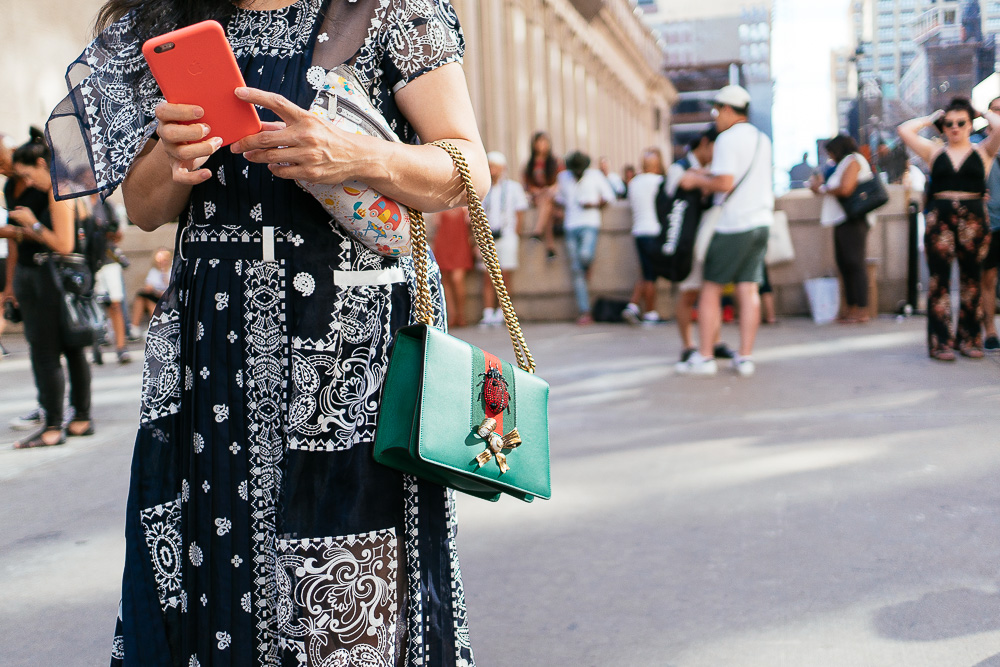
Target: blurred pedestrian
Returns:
[[109, 280], [628, 173], [16, 192], [153, 288], [957, 226], [453, 251], [505, 205], [582, 192], [614, 180], [645, 232], [540, 175], [742, 182], [698, 158], [850, 235], [992, 261], [799, 176], [47, 227]]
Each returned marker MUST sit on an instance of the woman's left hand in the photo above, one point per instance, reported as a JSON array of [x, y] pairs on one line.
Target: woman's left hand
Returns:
[[22, 216], [307, 148]]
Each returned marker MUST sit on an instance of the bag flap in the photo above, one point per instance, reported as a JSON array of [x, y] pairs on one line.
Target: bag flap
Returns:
[[447, 435]]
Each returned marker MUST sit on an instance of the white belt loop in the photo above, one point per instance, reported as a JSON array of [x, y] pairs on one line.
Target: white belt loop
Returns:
[[267, 249], [362, 278]]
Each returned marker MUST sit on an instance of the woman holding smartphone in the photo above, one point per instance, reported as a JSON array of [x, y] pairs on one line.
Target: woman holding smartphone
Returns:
[[260, 530], [41, 225]]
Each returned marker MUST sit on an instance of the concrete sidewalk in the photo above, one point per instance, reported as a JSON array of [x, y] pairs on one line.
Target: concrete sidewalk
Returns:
[[840, 508]]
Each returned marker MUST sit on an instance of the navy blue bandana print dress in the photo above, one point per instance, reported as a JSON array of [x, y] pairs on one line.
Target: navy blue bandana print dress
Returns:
[[259, 529]]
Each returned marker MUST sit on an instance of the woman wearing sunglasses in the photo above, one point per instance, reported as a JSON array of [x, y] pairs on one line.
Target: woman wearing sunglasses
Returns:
[[957, 226]]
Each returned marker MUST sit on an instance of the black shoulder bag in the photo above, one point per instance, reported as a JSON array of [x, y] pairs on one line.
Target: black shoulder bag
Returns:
[[81, 318]]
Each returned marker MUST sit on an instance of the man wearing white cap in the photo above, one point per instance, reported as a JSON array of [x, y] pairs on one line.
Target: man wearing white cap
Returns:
[[505, 205], [741, 179]]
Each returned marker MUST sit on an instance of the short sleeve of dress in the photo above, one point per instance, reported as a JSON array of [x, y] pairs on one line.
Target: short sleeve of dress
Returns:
[[421, 35], [101, 125]]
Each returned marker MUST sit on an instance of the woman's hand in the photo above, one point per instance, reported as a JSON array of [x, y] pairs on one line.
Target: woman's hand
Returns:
[[22, 216], [187, 143], [305, 147]]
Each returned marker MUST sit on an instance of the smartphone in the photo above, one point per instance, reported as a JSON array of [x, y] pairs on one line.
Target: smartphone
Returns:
[[196, 65]]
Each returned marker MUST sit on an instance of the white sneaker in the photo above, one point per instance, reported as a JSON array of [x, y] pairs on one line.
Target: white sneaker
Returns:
[[497, 317], [652, 317], [489, 317], [697, 365], [632, 314], [744, 366]]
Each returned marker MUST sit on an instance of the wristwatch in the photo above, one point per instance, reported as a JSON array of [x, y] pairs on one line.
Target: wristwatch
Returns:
[[37, 228]]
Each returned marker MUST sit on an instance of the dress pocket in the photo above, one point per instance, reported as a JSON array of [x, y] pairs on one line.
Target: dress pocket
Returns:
[[337, 377], [161, 529], [337, 599]]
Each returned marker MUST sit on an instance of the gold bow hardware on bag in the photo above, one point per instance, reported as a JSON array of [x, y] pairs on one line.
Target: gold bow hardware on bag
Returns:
[[496, 443]]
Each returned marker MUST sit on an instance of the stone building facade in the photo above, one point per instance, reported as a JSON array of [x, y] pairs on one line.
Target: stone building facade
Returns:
[[587, 71]]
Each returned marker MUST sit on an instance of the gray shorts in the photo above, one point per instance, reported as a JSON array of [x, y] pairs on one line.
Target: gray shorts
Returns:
[[737, 258]]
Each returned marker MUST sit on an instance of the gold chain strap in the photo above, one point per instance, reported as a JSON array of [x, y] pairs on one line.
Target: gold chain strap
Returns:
[[484, 239]]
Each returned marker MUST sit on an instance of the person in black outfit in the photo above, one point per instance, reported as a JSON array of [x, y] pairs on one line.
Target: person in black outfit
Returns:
[[46, 226], [958, 227]]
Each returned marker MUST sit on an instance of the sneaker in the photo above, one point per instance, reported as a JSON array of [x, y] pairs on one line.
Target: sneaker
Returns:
[[585, 320], [98, 359], [652, 317], [686, 354], [723, 351], [697, 365], [133, 335], [28, 422], [123, 356], [992, 343], [489, 317], [4, 352], [632, 314], [744, 366]]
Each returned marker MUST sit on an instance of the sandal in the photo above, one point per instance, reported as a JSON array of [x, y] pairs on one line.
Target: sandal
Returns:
[[37, 440], [87, 431], [971, 352], [943, 354]]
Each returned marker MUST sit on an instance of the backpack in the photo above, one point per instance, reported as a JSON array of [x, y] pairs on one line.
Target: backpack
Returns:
[[679, 217]]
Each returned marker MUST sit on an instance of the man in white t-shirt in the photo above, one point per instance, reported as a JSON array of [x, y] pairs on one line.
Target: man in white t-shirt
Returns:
[[582, 192], [646, 231], [741, 179], [505, 205]]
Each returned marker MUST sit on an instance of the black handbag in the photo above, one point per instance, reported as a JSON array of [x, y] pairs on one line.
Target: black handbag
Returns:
[[81, 318], [867, 196]]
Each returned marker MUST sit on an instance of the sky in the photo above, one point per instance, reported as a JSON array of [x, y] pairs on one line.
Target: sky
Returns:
[[804, 33]]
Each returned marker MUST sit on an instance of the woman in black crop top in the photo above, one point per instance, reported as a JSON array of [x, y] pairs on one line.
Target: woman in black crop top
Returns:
[[45, 225], [957, 225]]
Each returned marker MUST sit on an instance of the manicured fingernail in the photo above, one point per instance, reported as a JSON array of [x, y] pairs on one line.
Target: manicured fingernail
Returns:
[[199, 112], [205, 129], [216, 142]]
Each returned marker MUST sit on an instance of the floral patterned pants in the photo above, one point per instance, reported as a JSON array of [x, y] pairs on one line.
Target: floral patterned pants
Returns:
[[956, 230]]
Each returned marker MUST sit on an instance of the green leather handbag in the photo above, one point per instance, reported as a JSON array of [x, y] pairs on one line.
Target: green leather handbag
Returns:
[[457, 415]]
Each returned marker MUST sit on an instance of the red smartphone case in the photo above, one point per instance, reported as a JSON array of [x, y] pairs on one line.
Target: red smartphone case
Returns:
[[196, 65]]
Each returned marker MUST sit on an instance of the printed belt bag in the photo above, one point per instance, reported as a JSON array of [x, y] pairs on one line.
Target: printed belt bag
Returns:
[[454, 414]]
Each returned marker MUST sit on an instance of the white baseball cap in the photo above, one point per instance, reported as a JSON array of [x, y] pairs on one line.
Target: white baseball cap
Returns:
[[497, 158], [734, 96]]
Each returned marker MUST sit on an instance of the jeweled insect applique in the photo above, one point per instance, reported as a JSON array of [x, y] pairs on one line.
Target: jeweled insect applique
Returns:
[[496, 397]]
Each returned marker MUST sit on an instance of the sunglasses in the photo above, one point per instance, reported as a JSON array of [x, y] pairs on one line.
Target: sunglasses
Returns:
[[955, 123]]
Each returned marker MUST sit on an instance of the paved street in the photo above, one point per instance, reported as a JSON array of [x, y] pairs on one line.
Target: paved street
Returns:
[[839, 509]]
